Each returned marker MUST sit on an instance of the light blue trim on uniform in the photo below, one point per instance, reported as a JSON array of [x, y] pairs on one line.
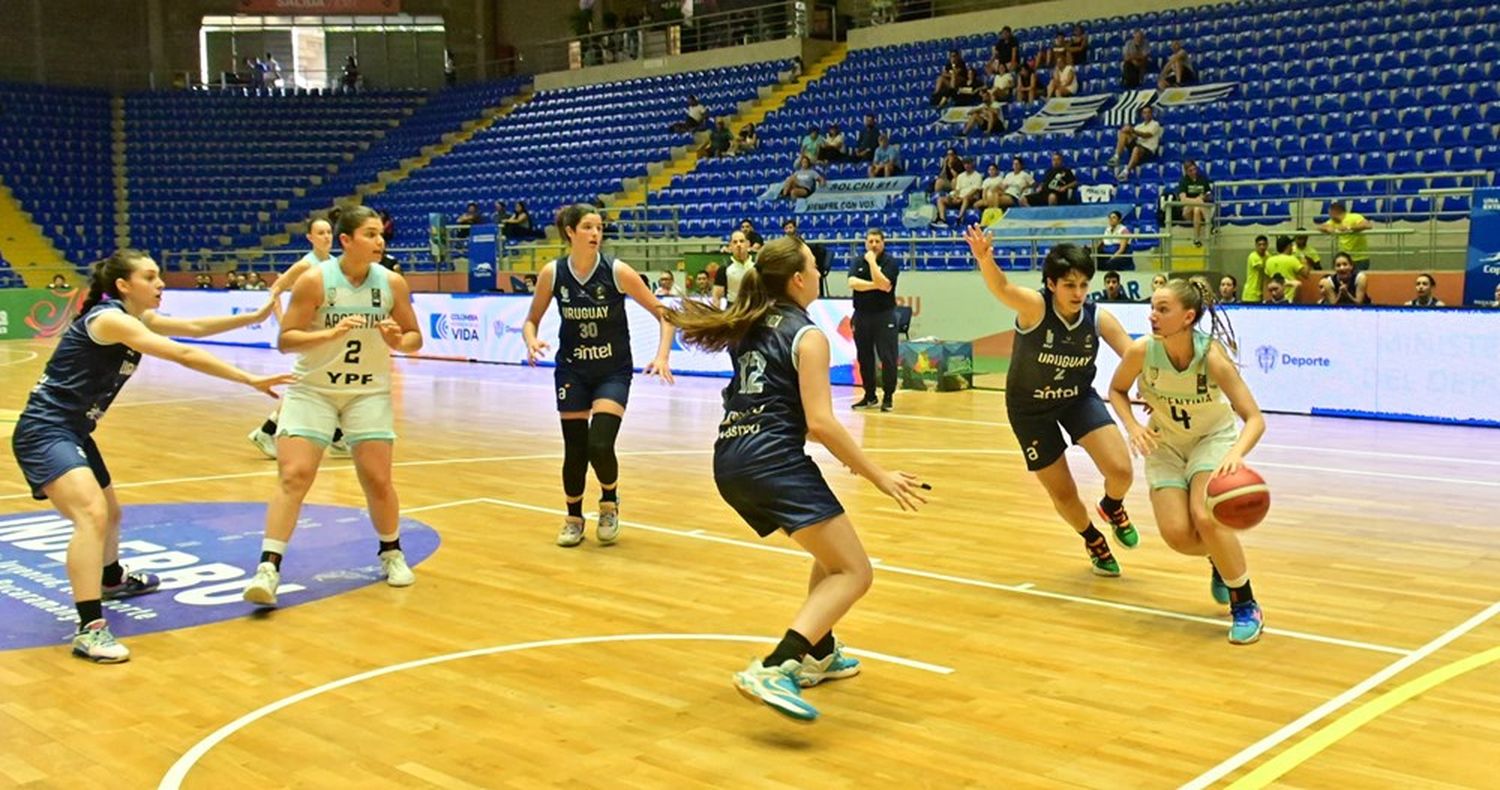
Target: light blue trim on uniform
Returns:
[[373, 436], [320, 439]]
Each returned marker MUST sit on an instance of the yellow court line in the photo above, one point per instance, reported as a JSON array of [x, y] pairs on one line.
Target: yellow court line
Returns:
[[1273, 769]]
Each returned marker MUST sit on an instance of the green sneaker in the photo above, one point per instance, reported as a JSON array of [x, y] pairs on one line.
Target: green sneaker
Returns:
[[1218, 588], [1105, 566], [1119, 521]]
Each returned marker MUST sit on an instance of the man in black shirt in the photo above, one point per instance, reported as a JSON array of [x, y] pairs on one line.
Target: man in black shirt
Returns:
[[1056, 186], [872, 277], [869, 140]]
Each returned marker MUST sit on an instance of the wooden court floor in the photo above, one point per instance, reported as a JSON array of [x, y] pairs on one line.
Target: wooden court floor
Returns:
[[996, 659]]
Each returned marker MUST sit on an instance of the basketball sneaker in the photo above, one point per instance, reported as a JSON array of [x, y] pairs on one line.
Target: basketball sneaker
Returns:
[[608, 529], [131, 584], [261, 590], [1119, 521], [264, 442], [397, 572], [97, 644], [777, 687], [833, 666], [339, 449], [1218, 588], [572, 532], [1105, 566], [1247, 624]]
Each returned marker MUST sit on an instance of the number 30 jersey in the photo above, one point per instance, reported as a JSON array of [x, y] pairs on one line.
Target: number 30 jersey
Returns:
[[359, 362], [764, 425], [1185, 404]]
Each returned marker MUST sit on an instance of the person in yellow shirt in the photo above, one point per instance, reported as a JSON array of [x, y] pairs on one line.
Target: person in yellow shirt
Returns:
[[1255, 271], [1286, 263], [1306, 252], [1350, 227]]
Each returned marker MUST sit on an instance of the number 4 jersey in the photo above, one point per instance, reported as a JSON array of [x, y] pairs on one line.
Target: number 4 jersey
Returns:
[[359, 362], [764, 425], [1185, 404]]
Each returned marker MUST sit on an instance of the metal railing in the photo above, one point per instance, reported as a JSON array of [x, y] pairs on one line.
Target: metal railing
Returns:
[[868, 13]]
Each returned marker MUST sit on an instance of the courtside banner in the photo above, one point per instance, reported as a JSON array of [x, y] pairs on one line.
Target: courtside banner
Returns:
[[1483, 273]]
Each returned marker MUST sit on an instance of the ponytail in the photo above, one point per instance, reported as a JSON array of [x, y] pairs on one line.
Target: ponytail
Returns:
[[1197, 295], [713, 329], [103, 274]]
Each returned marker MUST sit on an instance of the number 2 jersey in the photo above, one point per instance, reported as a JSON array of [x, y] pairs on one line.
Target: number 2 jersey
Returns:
[[359, 362], [1186, 405], [764, 425], [595, 334], [1053, 363]]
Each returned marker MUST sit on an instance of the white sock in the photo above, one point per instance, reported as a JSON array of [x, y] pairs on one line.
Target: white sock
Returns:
[[1238, 581]]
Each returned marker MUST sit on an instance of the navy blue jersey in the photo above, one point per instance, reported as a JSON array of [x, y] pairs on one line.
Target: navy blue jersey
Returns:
[[1053, 362], [595, 332], [82, 377], [764, 425]]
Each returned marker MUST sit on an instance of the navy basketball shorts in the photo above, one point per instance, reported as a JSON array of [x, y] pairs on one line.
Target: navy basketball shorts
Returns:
[[787, 498], [1040, 432], [47, 452], [577, 391]]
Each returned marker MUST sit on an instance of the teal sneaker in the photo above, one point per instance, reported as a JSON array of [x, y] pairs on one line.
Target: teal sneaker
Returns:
[[776, 687], [833, 666], [1247, 624], [1119, 521], [94, 642], [1217, 588]]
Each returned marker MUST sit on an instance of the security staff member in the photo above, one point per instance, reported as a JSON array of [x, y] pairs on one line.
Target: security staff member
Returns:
[[872, 277]]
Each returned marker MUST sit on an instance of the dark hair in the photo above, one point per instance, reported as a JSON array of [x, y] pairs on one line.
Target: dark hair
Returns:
[[1262, 238], [1232, 279], [1283, 242], [315, 220], [1066, 258], [104, 273], [568, 218], [1432, 281], [1346, 256], [1278, 278], [1117, 214], [351, 218], [1337, 204], [1195, 294], [713, 329], [876, 232]]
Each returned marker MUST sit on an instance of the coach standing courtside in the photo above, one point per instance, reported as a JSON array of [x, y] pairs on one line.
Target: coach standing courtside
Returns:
[[872, 277]]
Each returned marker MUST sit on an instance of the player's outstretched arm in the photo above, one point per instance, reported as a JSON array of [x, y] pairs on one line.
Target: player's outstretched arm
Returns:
[[129, 331]]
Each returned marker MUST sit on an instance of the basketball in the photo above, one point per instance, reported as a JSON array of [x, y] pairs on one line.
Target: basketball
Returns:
[[1239, 500]]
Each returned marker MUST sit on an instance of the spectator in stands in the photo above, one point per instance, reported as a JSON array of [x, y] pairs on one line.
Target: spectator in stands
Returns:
[[1350, 227], [1005, 54], [1424, 297], [789, 228], [1026, 83], [966, 190], [1196, 191], [1158, 282], [59, 283], [517, 225], [1277, 292], [969, 86], [803, 182], [471, 215], [666, 285], [719, 140], [1136, 62], [692, 119], [1058, 185], [1113, 290], [887, 160], [986, 116], [1064, 81], [232, 280], [1178, 70], [1112, 252], [450, 69], [991, 188], [811, 143], [869, 139], [1052, 57], [1078, 45], [528, 284], [1229, 290], [1018, 183], [253, 282], [947, 84], [1142, 140], [1004, 85], [834, 148], [350, 79], [1287, 264], [273, 71], [948, 170], [204, 282], [748, 228], [1305, 251], [702, 285], [1255, 270], [1346, 286], [727, 279], [388, 226], [747, 142]]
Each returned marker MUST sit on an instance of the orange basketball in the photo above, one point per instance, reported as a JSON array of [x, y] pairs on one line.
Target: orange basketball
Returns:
[[1239, 500]]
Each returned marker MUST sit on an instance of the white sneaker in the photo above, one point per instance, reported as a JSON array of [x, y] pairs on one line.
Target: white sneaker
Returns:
[[572, 532], [97, 644], [263, 441], [608, 529], [397, 572], [339, 448], [261, 590]]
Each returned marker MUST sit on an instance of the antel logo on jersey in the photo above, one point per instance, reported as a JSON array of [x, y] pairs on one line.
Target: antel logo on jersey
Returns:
[[1268, 357], [456, 326], [204, 554]]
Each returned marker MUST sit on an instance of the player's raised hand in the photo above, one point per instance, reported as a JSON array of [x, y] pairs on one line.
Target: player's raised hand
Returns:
[[981, 242]]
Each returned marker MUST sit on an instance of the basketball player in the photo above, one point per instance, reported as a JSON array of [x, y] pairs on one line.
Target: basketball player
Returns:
[[53, 444], [1051, 384], [594, 364], [779, 397], [1185, 375], [345, 317], [320, 236]]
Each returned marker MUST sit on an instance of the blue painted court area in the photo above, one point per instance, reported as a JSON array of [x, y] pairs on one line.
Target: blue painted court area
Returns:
[[204, 554]]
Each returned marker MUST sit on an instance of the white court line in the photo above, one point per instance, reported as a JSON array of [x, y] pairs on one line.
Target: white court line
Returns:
[[1027, 588], [165, 401], [33, 354], [1354, 692], [1375, 454], [454, 503], [179, 770]]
